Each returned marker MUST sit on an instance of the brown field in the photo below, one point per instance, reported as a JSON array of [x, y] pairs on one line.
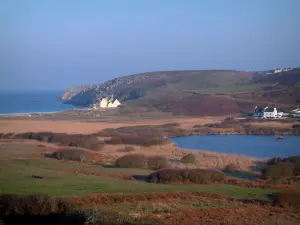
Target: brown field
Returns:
[[81, 127]]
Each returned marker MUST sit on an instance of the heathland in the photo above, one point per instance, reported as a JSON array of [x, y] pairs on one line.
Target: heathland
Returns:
[[78, 168]]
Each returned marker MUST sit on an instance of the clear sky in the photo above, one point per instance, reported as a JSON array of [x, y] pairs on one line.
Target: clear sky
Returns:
[[56, 44]]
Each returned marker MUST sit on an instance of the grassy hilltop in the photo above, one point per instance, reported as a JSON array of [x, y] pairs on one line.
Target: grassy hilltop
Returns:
[[187, 92]]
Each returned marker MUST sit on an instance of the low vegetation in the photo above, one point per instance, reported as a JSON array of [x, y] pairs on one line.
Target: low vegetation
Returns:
[[142, 135], [71, 154], [142, 161], [132, 161], [197, 176], [279, 170], [230, 168], [157, 163], [76, 140], [282, 168], [33, 205], [36, 209], [288, 199], [189, 158], [107, 217], [136, 140]]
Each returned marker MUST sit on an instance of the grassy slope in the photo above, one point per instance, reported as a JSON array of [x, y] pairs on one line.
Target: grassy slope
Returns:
[[15, 177]]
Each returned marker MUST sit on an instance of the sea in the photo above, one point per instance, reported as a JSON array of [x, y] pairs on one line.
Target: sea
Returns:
[[32, 102]]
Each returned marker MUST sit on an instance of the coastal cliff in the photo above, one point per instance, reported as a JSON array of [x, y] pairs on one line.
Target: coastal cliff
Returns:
[[187, 92]]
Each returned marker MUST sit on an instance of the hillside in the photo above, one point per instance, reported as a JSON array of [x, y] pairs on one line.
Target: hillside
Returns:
[[198, 92]]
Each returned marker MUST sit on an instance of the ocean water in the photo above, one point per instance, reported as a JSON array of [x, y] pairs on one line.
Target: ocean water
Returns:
[[251, 145], [29, 102]]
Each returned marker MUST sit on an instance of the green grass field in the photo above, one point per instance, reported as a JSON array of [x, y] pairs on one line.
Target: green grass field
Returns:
[[15, 178]]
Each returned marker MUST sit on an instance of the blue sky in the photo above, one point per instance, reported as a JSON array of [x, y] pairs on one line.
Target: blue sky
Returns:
[[57, 44]]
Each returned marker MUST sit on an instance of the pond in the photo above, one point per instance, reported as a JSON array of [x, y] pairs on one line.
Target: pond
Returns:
[[250, 145]]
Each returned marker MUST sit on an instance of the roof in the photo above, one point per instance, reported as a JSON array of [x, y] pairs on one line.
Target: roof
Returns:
[[259, 110], [271, 109]]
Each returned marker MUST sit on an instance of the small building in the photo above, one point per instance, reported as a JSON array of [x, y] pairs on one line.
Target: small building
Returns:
[[103, 103], [295, 113], [259, 111], [109, 103], [277, 70], [270, 112]]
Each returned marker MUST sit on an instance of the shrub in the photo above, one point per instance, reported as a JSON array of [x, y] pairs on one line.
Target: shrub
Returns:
[[189, 158], [142, 135], [132, 161], [288, 199], [72, 154], [6, 135], [33, 205], [197, 176], [158, 162], [109, 217], [296, 162], [136, 140], [279, 170], [89, 141], [231, 168], [128, 149]]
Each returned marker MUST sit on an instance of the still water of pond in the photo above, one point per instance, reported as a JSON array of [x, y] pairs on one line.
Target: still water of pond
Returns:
[[250, 145]]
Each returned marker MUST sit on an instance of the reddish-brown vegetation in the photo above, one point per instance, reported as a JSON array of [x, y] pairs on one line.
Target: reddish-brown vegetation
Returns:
[[289, 198]]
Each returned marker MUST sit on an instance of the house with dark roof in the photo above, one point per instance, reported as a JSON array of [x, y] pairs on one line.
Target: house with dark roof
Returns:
[[266, 112], [259, 111], [270, 112]]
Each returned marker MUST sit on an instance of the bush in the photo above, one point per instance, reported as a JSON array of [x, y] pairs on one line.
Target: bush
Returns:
[[72, 154], [197, 176], [231, 168], [132, 161], [128, 149], [189, 158], [158, 162], [136, 140], [288, 199], [33, 205], [142, 135], [279, 170], [89, 141], [109, 217], [295, 160]]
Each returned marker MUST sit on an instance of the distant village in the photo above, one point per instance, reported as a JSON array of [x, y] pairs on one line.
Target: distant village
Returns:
[[280, 70]]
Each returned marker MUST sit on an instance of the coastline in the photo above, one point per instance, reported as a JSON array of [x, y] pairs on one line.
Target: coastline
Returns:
[[30, 113]]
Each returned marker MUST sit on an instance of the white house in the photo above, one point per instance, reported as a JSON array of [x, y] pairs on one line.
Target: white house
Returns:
[[296, 113], [109, 103], [270, 112], [103, 103], [278, 70]]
